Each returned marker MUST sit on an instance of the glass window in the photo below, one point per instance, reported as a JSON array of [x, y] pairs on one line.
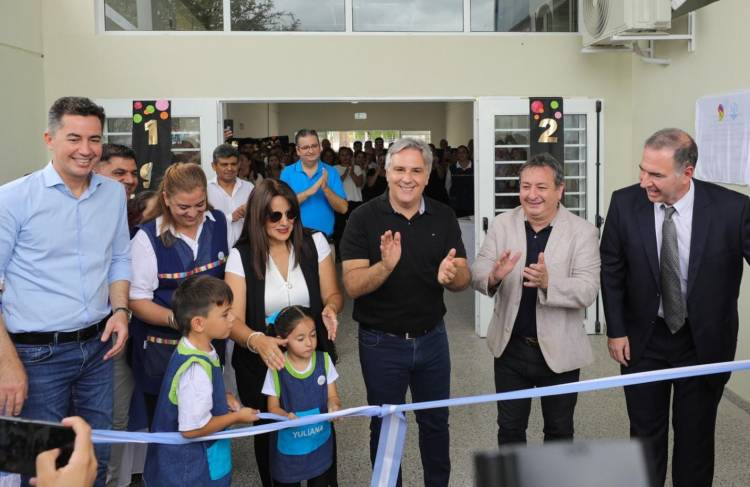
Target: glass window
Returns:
[[288, 15], [186, 137], [524, 15], [408, 15], [163, 15]]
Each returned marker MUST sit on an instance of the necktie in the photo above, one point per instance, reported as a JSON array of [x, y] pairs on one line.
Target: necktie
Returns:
[[671, 291]]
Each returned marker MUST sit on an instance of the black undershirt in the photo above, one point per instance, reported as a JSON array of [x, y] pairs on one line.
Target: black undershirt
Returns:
[[536, 242]]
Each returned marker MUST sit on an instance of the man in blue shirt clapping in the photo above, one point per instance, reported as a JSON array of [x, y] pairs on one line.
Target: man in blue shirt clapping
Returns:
[[317, 184]]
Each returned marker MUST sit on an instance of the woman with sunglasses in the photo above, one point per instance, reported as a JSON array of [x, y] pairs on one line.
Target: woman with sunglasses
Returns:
[[276, 264]]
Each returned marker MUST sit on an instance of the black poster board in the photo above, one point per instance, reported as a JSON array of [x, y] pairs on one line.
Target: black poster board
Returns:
[[152, 140], [546, 121]]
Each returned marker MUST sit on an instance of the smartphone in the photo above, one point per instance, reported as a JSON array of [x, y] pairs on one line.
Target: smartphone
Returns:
[[21, 440]]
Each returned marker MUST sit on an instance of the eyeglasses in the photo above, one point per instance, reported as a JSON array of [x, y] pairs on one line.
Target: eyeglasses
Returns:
[[275, 216], [305, 148]]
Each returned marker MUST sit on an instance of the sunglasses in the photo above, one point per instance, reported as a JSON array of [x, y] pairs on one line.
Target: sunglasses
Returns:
[[275, 216]]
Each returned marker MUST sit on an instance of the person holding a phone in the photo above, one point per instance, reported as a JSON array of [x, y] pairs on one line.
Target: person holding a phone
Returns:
[[65, 258], [80, 470]]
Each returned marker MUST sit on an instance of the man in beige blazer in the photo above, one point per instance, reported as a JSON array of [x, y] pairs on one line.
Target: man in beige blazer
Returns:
[[536, 334]]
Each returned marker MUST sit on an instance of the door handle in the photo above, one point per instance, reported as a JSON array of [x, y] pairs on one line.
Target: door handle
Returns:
[[485, 224]]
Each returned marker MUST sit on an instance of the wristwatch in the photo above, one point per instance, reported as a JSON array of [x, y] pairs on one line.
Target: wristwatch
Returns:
[[127, 311]]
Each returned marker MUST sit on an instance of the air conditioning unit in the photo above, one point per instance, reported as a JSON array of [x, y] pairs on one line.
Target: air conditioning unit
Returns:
[[601, 20]]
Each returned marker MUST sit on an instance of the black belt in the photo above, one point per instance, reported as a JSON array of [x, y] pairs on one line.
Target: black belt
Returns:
[[46, 338], [409, 335]]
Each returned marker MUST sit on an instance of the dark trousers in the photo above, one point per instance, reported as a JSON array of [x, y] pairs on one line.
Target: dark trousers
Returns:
[[390, 366], [694, 405], [326, 479], [522, 366]]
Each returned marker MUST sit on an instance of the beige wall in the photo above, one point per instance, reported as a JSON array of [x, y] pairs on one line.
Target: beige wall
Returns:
[[253, 119], [21, 89], [340, 116], [459, 123], [666, 96]]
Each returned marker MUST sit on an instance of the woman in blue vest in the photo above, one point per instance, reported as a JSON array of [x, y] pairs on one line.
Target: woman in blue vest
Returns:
[[186, 238], [276, 264]]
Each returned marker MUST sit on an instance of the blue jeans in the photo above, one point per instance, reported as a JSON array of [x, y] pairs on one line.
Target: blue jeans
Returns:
[[390, 366], [70, 379]]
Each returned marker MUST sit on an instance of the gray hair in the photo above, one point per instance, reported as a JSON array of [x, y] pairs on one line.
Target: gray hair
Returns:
[[72, 105], [684, 147], [545, 159], [408, 143]]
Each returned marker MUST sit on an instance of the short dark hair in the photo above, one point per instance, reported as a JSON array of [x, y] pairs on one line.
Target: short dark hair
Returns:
[[116, 150], [305, 133], [684, 147], [224, 151], [545, 159], [197, 296], [72, 105], [288, 319]]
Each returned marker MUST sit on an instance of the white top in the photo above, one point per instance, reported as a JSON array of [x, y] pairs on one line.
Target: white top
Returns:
[[280, 293], [683, 222], [227, 203], [269, 388], [195, 394], [145, 268], [353, 192]]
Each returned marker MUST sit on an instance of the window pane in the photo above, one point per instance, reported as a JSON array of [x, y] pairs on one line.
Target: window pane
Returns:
[[524, 16], [186, 124], [408, 15], [163, 15], [126, 140], [288, 15], [124, 125]]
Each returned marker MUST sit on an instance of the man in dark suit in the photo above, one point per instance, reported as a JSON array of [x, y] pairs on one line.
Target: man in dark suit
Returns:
[[672, 253]]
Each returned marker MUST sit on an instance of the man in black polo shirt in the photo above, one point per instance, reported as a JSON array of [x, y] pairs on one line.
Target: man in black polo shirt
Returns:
[[399, 251], [536, 333]]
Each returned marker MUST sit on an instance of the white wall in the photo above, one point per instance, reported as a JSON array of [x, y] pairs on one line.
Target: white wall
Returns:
[[665, 96], [253, 119], [22, 99], [340, 116]]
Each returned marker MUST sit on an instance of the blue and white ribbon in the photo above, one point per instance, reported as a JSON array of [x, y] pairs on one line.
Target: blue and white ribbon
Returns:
[[393, 429]]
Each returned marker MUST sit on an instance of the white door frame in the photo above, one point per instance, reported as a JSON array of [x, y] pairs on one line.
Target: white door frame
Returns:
[[485, 109]]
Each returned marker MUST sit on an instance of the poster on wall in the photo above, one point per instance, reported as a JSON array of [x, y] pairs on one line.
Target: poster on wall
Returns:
[[722, 132], [152, 140], [546, 124]]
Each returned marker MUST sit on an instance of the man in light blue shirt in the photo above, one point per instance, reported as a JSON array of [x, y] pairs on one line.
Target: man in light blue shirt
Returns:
[[65, 256], [317, 184]]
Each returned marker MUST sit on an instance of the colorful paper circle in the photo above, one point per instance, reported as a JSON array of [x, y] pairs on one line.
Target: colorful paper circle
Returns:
[[137, 105], [558, 115], [164, 115], [137, 118], [537, 106], [162, 104], [536, 117], [554, 104], [149, 110], [721, 112]]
